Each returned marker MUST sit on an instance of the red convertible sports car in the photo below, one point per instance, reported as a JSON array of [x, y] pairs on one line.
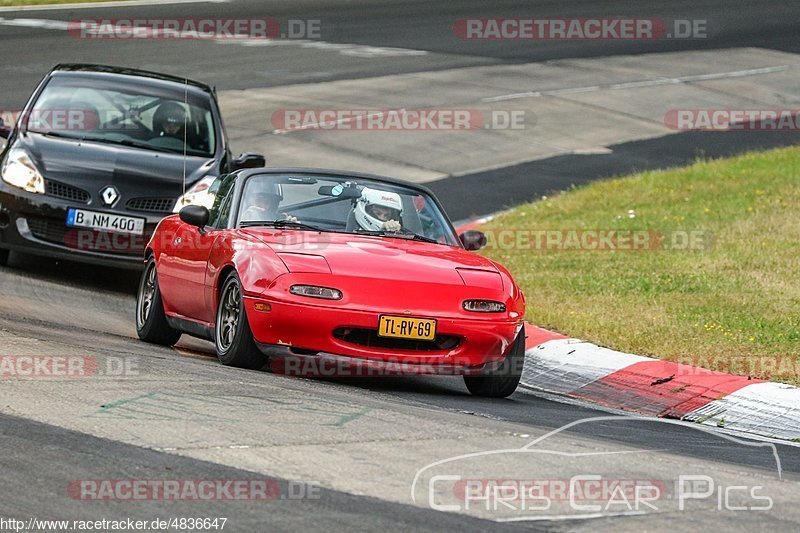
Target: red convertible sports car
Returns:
[[299, 265]]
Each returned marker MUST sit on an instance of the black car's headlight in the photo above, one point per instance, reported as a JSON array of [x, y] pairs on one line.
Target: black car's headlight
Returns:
[[20, 171], [198, 194]]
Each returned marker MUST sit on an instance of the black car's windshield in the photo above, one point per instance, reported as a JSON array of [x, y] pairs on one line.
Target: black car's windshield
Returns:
[[136, 115], [343, 204]]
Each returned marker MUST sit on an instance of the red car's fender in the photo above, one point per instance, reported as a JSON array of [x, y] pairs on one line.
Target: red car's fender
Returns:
[[256, 264]]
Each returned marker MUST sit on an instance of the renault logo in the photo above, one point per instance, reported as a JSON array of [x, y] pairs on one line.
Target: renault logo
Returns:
[[109, 195]]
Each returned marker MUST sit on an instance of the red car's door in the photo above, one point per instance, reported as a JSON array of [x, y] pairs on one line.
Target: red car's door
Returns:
[[183, 265], [185, 270]]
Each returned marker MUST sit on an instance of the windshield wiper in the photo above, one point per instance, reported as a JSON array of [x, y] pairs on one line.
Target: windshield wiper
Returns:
[[123, 142], [57, 134], [279, 224], [406, 235]]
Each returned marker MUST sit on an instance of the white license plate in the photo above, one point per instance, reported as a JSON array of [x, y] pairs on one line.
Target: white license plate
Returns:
[[81, 218]]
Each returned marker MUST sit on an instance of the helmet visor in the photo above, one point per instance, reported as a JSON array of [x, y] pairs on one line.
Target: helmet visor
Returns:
[[382, 213]]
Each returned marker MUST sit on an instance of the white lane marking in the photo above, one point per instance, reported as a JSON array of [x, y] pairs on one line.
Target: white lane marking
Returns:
[[345, 49], [120, 3], [35, 23], [657, 82]]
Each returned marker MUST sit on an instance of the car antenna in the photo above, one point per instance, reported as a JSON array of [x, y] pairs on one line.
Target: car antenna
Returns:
[[185, 121]]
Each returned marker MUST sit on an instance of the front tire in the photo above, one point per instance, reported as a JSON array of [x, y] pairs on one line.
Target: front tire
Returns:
[[503, 380], [4, 257], [232, 335], [151, 321]]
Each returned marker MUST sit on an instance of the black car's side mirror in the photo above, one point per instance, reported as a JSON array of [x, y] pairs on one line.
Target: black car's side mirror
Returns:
[[473, 240], [195, 215], [248, 160]]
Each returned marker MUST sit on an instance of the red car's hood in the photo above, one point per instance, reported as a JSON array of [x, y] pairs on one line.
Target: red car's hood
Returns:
[[378, 257]]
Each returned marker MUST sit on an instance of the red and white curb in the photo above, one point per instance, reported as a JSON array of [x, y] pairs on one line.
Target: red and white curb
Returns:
[[584, 371]]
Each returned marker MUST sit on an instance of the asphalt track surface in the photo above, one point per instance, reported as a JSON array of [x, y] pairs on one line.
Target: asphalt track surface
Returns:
[[39, 458]]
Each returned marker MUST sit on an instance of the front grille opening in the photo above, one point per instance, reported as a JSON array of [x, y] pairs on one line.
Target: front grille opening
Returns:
[[151, 205], [369, 338], [67, 192]]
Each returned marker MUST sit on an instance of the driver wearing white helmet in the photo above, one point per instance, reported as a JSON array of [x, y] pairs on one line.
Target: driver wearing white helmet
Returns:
[[379, 210]]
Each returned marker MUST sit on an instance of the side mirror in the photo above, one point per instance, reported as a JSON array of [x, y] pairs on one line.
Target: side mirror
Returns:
[[248, 160], [195, 215], [473, 240]]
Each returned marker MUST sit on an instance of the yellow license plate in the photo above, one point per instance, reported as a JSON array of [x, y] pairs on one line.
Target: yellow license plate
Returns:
[[403, 327]]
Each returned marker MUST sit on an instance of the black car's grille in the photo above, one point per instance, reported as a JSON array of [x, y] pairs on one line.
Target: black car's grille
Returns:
[[369, 337], [151, 205], [67, 192], [83, 239]]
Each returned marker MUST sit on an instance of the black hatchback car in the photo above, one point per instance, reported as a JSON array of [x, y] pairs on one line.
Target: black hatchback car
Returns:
[[100, 154]]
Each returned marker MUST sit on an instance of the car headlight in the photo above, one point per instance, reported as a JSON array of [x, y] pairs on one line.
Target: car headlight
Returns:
[[484, 306], [198, 195], [20, 171], [314, 291]]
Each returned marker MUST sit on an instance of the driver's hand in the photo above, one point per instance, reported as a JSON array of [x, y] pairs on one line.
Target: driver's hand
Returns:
[[392, 225], [289, 218]]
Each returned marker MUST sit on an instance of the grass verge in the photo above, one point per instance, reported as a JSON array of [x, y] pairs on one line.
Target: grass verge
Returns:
[[729, 302]]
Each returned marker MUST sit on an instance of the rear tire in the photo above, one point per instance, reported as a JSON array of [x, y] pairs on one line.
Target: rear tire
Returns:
[[4, 257], [233, 338], [502, 381], [151, 321]]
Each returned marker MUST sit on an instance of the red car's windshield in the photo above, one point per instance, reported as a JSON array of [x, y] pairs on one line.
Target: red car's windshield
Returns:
[[344, 204]]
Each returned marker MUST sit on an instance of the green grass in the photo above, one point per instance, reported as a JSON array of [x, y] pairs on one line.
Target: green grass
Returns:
[[733, 306], [7, 3]]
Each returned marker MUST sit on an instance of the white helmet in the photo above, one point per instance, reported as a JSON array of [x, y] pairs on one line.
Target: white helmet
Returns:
[[371, 199]]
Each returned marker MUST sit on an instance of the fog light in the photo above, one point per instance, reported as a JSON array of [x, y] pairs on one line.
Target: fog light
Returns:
[[484, 306], [314, 291]]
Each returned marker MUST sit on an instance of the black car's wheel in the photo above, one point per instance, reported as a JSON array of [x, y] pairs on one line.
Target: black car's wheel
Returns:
[[232, 335], [503, 380], [3, 257], [151, 322]]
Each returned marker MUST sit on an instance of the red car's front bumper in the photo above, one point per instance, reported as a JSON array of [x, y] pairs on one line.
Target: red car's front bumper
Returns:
[[302, 331]]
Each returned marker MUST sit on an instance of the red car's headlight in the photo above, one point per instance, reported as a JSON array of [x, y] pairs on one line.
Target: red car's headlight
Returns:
[[314, 291], [484, 306]]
